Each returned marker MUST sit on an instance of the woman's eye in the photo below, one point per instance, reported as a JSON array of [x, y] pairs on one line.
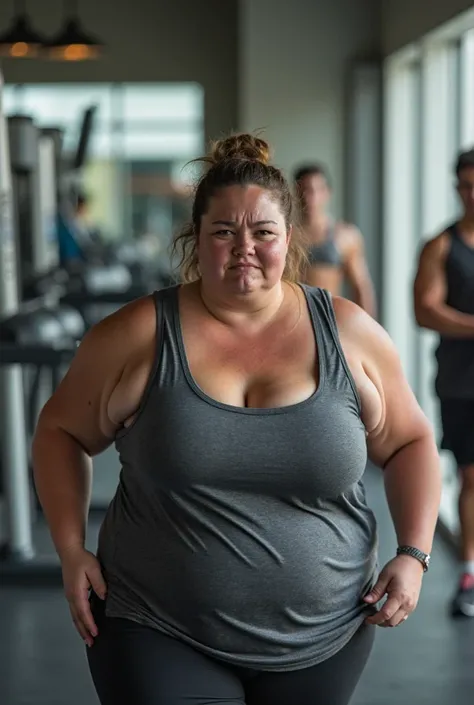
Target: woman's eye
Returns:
[[223, 233], [264, 233]]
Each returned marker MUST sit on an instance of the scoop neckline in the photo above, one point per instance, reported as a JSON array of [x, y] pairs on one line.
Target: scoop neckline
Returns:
[[253, 411]]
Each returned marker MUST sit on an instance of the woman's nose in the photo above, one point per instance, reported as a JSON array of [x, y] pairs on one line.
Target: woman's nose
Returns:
[[243, 243]]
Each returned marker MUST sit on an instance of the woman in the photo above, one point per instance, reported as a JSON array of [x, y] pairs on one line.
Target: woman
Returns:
[[237, 560], [336, 249]]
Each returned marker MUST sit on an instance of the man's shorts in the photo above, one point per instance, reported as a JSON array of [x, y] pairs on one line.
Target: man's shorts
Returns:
[[457, 420]]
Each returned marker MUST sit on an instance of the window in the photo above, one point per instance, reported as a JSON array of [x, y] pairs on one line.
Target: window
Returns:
[[439, 130], [401, 206], [142, 136], [467, 89], [429, 89]]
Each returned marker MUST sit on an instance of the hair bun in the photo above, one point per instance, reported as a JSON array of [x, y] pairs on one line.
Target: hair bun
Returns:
[[242, 146]]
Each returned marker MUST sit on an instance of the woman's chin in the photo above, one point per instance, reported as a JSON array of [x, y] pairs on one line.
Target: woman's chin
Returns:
[[245, 282]]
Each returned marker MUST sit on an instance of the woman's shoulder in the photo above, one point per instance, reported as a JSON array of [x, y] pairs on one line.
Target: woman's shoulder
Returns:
[[360, 331], [128, 328], [139, 314]]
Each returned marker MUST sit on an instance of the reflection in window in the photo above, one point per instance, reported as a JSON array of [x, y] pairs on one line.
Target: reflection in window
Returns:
[[454, 127], [143, 135], [467, 90]]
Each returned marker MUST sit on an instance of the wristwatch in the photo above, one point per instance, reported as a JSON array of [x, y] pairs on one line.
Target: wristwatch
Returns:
[[424, 558]]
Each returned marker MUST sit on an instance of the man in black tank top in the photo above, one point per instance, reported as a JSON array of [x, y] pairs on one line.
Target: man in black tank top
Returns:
[[335, 249], [444, 302]]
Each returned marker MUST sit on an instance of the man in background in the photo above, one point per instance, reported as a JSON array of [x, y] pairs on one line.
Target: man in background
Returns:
[[444, 302], [335, 249]]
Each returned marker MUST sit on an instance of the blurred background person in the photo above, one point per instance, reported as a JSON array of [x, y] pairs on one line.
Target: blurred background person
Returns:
[[335, 249], [444, 302]]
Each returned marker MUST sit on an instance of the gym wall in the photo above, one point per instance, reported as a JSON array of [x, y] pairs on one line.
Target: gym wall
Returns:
[[184, 40], [262, 63], [294, 64], [404, 21]]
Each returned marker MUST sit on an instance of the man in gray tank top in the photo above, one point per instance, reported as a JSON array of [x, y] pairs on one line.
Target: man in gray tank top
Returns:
[[444, 302]]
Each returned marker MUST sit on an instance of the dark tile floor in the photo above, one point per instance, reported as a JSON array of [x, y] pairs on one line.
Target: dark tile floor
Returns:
[[427, 661]]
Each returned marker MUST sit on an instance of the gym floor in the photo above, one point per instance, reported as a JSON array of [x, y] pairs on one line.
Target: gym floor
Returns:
[[427, 661]]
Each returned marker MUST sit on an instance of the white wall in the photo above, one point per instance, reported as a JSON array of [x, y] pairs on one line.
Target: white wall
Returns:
[[293, 65], [183, 40], [403, 21]]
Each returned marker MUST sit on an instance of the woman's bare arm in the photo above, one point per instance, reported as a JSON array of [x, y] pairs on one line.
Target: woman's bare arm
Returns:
[[81, 419], [400, 438]]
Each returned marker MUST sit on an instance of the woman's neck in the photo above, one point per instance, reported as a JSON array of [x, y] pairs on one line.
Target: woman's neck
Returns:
[[250, 313]]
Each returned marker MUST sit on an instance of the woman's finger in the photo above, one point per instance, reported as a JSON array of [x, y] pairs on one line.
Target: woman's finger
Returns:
[[386, 612], [81, 628], [398, 618], [83, 610]]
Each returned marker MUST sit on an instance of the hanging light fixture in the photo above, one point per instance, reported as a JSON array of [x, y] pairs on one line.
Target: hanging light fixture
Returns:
[[73, 43], [21, 41]]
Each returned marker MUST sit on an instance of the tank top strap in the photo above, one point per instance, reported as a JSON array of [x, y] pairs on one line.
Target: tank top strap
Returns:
[[337, 372], [459, 252], [168, 363]]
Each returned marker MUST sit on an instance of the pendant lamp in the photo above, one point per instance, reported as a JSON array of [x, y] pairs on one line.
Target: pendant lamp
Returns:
[[21, 41], [73, 42]]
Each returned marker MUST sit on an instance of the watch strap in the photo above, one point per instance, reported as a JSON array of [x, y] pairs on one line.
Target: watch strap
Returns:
[[423, 558]]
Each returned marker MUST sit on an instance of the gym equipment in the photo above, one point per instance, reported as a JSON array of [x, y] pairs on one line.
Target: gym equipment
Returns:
[[17, 558], [11, 383], [33, 165], [88, 277], [44, 309], [42, 321]]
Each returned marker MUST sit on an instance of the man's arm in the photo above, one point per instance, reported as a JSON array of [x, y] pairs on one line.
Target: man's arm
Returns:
[[357, 272], [430, 289]]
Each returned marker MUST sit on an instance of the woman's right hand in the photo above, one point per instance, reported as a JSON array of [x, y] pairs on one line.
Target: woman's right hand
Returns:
[[82, 572]]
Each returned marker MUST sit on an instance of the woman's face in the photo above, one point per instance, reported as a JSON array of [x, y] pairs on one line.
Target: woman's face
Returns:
[[243, 241]]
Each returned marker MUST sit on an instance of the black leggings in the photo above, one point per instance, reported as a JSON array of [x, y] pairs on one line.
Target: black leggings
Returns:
[[136, 665]]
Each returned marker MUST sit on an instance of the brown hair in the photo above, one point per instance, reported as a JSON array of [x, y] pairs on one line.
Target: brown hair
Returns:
[[465, 160], [241, 160], [312, 170]]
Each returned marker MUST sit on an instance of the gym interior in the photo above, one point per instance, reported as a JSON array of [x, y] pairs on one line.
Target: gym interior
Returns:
[[381, 91]]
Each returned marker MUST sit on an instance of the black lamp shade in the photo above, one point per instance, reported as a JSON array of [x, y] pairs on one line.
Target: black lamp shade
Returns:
[[73, 43], [21, 41]]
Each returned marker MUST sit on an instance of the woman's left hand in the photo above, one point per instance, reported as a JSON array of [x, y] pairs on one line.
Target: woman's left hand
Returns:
[[401, 581]]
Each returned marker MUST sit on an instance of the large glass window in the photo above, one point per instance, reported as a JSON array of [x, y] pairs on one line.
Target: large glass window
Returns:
[[401, 206], [467, 89], [142, 136], [454, 99], [429, 89], [440, 135]]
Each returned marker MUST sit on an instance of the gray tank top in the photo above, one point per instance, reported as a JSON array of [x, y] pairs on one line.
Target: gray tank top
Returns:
[[243, 532], [455, 357], [325, 252]]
